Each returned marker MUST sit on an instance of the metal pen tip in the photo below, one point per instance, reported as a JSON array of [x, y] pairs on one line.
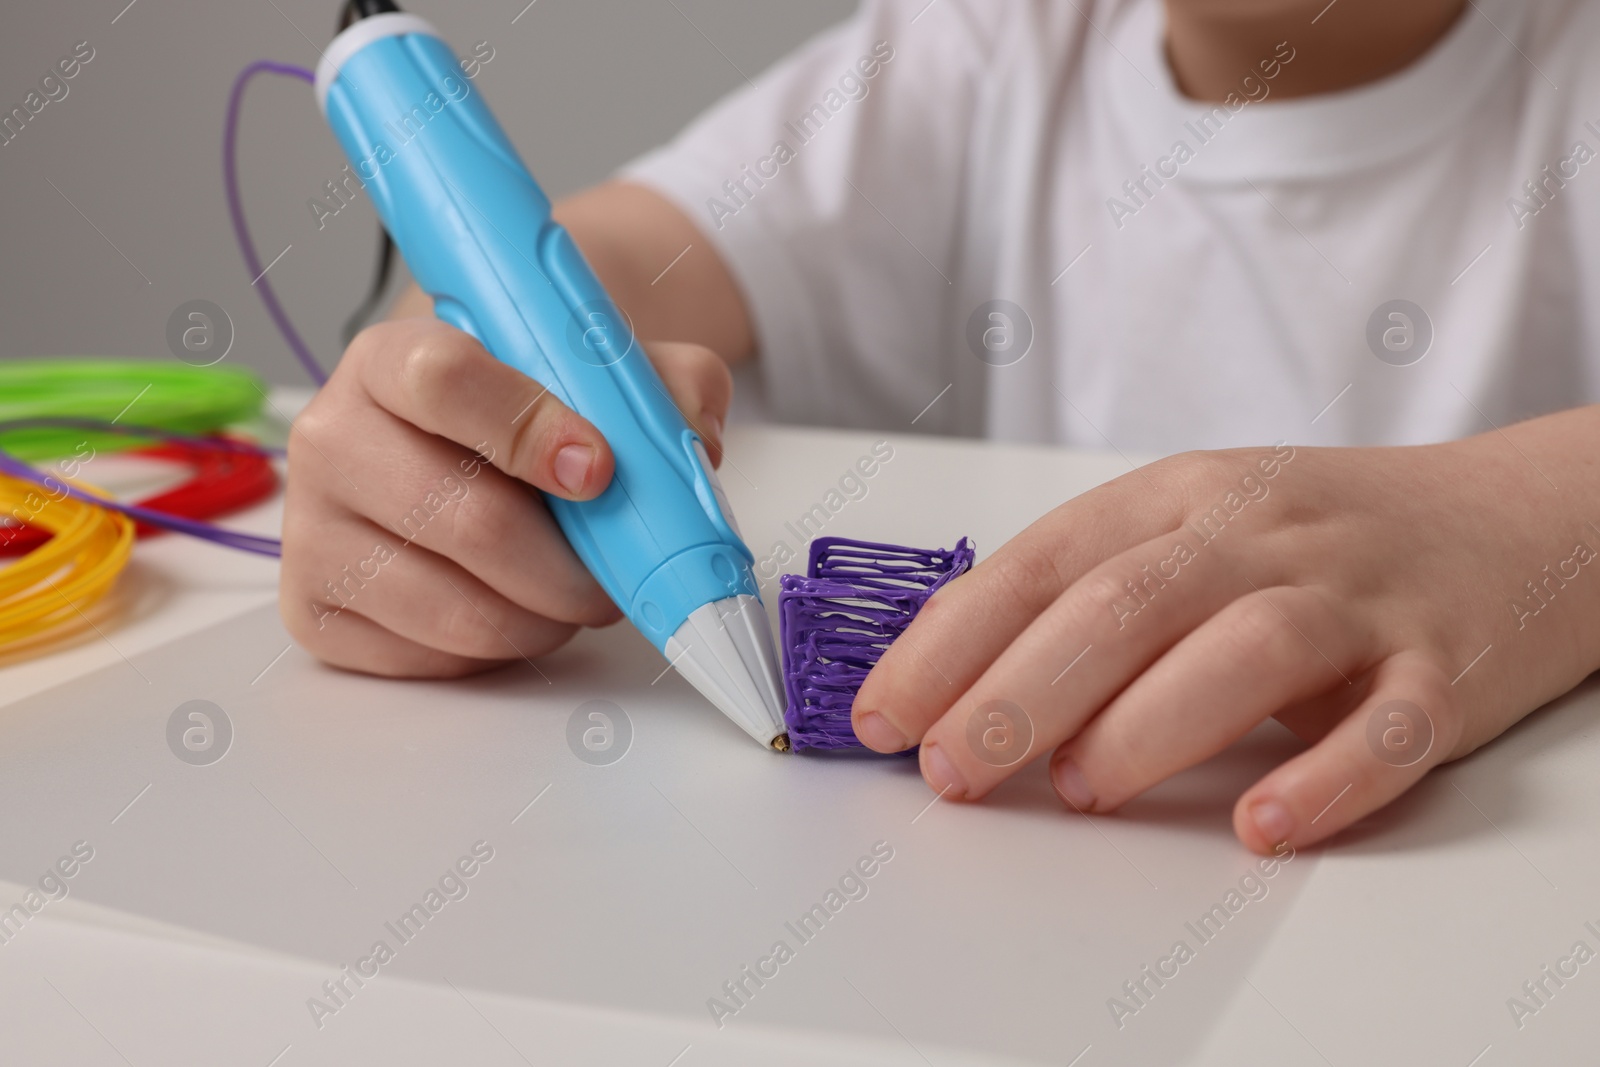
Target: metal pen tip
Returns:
[[781, 743]]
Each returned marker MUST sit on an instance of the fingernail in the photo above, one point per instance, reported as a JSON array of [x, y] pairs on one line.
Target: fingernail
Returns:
[[942, 774], [573, 464], [874, 731], [1273, 820], [1071, 786], [716, 427]]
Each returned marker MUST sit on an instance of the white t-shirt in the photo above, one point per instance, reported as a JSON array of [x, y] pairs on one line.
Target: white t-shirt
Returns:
[[1173, 276]]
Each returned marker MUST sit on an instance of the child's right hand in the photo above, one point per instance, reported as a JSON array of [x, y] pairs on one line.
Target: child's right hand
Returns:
[[413, 541]]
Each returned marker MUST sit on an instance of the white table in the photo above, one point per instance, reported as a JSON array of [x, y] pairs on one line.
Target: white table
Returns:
[[1401, 943]]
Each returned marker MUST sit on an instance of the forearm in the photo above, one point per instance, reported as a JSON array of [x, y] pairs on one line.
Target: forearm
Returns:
[[656, 265]]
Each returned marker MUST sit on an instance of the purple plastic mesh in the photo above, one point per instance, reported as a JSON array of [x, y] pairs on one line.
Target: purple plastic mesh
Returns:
[[837, 619]]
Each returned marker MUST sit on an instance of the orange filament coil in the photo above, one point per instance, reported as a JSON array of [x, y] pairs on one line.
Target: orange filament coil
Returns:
[[48, 588]]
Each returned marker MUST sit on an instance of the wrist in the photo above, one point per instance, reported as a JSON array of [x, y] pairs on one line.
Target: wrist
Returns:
[[1544, 478]]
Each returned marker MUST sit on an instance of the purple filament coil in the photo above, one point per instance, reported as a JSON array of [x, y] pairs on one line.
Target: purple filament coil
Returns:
[[837, 620]]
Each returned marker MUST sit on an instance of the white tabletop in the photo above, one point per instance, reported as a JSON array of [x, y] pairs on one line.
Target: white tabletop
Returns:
[[206, 921]]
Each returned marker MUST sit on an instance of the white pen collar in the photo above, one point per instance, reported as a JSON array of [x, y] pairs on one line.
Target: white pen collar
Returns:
[[358, 36]]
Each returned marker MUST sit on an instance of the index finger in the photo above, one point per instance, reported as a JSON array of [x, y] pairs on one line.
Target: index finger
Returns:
[[444, 382], [964, 627]]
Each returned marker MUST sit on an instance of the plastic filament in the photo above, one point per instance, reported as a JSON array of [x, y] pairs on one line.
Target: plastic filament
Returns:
[[48, 589], [224, 478], [241, 229], [838, 619], [166, 396], [245, 542]]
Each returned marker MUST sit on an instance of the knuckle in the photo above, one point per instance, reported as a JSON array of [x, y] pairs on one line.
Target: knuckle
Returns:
[[1254, 626], [1201, 477], [694, 369], [485, 523], [481, 523], [714, 371], [581, 603], [1026, 574], [433, 363], [1187, 470], [1203, 464], [295, 611], [302, 613], [662, 353], [314, 424], [601, 609], [571, 597], [306, 536], [1443, 705], [459, 628], [721, 393], [933, 610], [1101, 590], [369, 344], [418, 370], [550, 639]]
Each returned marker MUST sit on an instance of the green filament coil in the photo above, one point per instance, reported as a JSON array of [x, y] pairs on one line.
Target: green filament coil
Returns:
[[161, 395]]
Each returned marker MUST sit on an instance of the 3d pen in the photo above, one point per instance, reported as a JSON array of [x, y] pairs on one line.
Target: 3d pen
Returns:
[[475, 230]]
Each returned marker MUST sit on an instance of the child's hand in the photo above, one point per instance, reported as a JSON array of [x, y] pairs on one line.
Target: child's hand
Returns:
[[414, 543], [1318, 586]]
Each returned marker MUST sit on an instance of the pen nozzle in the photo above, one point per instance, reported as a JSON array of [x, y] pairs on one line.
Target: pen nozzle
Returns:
[[725, 650], [355, 10]]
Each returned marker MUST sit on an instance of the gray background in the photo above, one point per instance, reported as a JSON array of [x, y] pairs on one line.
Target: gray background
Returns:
[[136, 147]]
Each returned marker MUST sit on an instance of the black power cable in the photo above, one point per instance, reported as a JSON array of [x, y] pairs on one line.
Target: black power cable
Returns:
[[353, 10]]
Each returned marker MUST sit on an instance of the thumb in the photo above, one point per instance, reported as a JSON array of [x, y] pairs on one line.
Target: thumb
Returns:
[[700, 384]]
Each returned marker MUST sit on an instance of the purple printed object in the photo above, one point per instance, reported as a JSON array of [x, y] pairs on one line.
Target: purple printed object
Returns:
[[836, 620]]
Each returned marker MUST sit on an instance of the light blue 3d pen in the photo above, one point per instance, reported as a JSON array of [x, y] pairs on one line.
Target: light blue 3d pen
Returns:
[[475, 230]]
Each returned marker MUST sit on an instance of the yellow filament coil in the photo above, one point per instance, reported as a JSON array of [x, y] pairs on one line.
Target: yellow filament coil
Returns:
[[49, 587]]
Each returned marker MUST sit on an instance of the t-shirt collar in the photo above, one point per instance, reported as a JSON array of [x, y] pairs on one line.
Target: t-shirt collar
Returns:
[[1314, 136]]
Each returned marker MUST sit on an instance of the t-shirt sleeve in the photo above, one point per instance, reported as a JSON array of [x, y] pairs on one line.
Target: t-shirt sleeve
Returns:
[[832, 187]]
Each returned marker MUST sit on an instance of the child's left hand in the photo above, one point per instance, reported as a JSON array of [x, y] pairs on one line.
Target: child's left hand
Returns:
[[1144, 626]]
